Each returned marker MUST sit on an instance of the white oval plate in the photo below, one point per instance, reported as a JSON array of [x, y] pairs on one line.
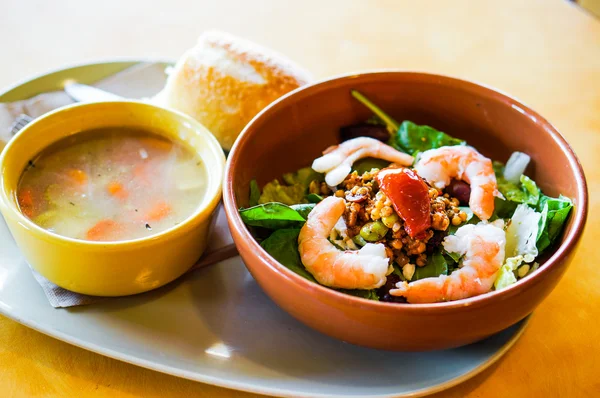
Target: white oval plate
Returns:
[[217, 326]]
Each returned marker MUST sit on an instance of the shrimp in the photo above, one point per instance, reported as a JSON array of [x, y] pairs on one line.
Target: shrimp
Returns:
[[337, 160], [483, 248], [439, 166], [366, 268]]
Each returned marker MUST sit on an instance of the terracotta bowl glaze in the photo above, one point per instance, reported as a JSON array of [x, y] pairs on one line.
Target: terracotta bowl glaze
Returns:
[[294, 130]]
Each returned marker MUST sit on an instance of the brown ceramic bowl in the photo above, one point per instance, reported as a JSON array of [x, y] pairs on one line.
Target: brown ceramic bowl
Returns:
[[294, 130]]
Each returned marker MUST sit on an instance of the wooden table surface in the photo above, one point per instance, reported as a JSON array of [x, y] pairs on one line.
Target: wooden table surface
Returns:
[[545, 52]]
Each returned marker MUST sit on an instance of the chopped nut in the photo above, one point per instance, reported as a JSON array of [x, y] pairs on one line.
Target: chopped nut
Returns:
[[387, 211], [408, 271], [396, 244], [440, 221]]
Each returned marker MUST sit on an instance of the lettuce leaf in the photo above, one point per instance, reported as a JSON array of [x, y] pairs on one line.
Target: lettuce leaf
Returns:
[[286, 194], [303, 176], [524, 191], [554, 214], [294, 191], [522, 233], [506, 277], [412, 138], [282, 245]]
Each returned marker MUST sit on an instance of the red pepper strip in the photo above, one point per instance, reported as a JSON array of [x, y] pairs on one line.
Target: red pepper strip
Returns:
[[410, 197]]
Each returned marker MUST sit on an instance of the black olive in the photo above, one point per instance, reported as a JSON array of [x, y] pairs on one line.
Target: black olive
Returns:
[[459, 190]]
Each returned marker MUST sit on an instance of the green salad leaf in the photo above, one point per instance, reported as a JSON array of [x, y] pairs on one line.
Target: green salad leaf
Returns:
[[505, 277], [503, 209], [398, 271], [294, 191], [282, 245], [273, 216], [471, 219], [554, 215], [412, 138], [286, 194], [408, 137], [364, 165], [525, 191], [314, 198], [436, 266], [303, 176], [254, 193], [303, 209], [366, 294]]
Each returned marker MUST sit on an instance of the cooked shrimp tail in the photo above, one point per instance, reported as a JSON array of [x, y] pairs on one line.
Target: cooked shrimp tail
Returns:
[[351, 269], [483, 248], [439, 166], [337, 160]]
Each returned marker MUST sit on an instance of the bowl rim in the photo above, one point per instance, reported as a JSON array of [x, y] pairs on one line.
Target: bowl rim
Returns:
[[247, 240], [204, 210]]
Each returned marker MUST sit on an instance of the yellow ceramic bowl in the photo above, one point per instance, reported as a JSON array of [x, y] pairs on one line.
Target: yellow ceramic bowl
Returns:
[[110, 268]]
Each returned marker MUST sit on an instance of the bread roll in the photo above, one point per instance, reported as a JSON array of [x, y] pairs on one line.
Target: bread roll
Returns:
[[224, 81]]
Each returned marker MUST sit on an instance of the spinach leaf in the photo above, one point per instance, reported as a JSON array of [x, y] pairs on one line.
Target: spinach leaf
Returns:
[[364, 165], [471, 219], [286, 194], [366, 294], [282, 245], [398, 272], [554, 215], [273, 216], [303, 209], [412, 138], [454, 257], [254, 193], [436, 266], [314, 198], [409, 137]]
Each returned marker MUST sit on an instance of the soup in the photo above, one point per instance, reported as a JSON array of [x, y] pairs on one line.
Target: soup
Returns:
[[112, 184]]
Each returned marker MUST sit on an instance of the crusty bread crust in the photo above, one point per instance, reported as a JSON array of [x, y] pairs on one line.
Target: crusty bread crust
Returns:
[[224, 81]]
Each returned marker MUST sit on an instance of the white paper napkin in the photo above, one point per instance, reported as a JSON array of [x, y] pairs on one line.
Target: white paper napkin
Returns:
[[140, 81]]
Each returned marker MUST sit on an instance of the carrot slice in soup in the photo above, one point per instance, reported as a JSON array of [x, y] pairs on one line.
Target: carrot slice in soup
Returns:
[[78, 175], [103, 230], [157, 143], [25, 199], [159, 211], [117, 190]]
